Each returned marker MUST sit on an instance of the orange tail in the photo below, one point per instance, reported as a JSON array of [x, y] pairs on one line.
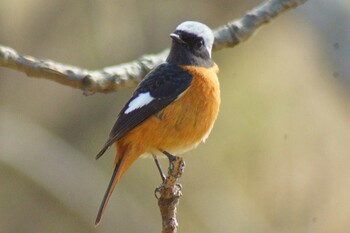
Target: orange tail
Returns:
[[123, 162]]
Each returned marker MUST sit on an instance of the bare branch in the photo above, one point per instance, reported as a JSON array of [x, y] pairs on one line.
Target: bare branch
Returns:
[[90, 81], [241, 29], [129, 74], [170, 193]]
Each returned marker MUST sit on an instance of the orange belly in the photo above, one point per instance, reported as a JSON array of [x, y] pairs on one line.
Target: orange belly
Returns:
[[186, 122]]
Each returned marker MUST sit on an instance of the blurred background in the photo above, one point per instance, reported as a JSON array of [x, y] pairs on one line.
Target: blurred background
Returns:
[[277, 159]]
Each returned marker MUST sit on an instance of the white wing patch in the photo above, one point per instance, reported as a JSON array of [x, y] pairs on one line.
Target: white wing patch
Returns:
[[141, 100]]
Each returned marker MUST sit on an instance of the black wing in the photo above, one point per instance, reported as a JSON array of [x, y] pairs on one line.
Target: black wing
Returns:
[[164, 84]]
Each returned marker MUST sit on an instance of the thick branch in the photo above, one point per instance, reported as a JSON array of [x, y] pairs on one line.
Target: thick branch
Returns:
[[129, 74], [90, 81]]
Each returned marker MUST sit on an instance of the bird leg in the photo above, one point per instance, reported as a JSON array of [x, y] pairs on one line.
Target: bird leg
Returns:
[[159, 168]]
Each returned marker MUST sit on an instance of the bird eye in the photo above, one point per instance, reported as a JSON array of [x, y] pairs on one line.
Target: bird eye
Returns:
[[200, 43]]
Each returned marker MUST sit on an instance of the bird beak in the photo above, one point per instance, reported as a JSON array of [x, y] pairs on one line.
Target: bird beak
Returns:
[[177, 38]]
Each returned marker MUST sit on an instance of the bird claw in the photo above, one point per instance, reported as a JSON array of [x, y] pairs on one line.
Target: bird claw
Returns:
[[175, 170], [157, 191], [179, 186], [176, 173]]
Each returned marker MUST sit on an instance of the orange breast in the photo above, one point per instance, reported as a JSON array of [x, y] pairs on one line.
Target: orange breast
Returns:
[[184, 123]]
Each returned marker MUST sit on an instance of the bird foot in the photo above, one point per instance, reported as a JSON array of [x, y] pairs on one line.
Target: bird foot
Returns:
[[176, 165]]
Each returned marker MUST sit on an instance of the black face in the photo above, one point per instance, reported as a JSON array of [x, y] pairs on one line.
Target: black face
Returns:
[[189, 49], [190, 40]]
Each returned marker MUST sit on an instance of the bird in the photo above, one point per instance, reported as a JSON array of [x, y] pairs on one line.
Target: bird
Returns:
[[172, 110]]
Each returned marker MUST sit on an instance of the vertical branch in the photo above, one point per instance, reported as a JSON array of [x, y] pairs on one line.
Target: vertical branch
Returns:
[[170, 193]]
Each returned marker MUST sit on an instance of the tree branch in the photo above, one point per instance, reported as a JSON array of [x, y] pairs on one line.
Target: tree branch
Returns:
[[240, 30], [129, 74], [170, 193]]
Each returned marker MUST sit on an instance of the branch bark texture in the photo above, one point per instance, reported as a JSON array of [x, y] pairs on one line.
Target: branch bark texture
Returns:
[[170, 193], [130, 74]]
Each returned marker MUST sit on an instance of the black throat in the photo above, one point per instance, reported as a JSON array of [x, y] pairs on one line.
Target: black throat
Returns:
[[183, 55]]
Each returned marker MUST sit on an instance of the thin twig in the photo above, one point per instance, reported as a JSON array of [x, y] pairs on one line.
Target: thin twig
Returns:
[[130, 74], [170, 193]]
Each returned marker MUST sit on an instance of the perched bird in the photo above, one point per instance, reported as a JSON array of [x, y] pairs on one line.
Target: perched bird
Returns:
[[173, 109]]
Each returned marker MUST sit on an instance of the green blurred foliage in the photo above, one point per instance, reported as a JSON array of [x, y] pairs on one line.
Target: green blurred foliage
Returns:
[[276, 161]]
